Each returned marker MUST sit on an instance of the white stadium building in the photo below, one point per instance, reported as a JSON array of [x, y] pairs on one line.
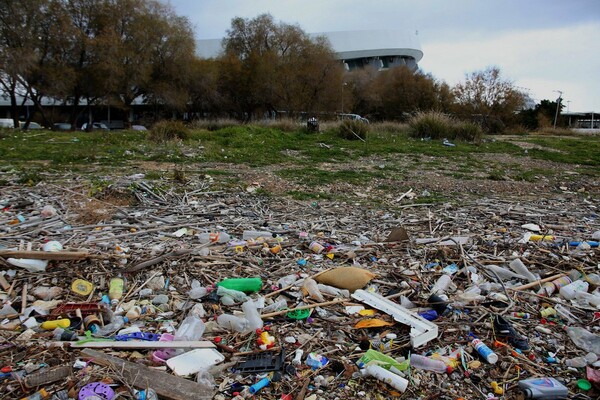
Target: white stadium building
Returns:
[[379, 49]]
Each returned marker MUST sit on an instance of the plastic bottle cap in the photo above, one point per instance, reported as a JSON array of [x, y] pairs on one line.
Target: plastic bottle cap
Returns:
[[584, 384]]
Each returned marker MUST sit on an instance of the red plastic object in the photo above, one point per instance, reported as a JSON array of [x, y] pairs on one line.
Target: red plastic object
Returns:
[[86, 309], [6, 369]]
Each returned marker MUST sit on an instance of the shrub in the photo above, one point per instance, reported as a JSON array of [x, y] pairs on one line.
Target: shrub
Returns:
[[432, 124], [215, 124], [436, 125], [467, 131], [353, 130], [389, 127], [166, 131]]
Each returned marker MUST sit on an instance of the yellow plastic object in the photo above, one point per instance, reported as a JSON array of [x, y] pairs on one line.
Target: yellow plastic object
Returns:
[[537, 238], [496, 388], [58, 323], [372, 323], [82, 287]]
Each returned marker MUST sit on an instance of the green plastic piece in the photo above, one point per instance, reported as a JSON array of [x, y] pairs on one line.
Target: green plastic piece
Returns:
[[298, 314], [246, 285], [374, 357], [584, 384]]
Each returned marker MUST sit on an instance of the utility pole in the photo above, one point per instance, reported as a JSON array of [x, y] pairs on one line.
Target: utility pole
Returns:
[[557, 106]]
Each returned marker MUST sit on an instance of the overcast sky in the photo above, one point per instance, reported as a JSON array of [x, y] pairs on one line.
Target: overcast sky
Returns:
[[541, 45]]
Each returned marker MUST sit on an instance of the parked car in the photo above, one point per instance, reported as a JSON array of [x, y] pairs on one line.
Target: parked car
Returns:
[[95, 126], [32, 125], [353, 117], [7, 123], [138, 128], [62, 126]]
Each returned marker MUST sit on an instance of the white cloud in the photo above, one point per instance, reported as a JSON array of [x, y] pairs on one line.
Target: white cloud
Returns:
[[541, 60]]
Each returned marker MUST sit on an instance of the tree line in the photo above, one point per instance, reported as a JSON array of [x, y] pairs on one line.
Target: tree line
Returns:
[[114, 52]]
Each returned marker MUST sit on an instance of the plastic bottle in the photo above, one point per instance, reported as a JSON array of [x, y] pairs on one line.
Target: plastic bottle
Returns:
[[520, 268], [428, 364], [584, 339], [589, 298], [233, 294], [246, 285], [485, 351], [252, 315], [39, 395], [310, 287], [287, 280], [191, 329], [543, 388], [276, 306], [333, 291], [198, 291], [441, 285], [214, 237], [253, 235], [61, 334], [115, 290], [116, 324], [576, 362], [231, 322], [297, 357], [503, 273], [377, 372], [58, 323], [568, 292]]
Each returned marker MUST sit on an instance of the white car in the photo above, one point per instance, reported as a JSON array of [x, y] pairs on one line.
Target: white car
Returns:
[[95, 126]]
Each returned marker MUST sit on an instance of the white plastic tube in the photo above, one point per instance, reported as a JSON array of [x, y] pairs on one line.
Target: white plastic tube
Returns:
[[377, 372]]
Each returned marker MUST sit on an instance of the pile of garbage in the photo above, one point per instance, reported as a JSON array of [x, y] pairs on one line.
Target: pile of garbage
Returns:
[[230, 296]]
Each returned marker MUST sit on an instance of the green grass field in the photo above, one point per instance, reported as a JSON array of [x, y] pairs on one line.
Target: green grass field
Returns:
[[308, 159]]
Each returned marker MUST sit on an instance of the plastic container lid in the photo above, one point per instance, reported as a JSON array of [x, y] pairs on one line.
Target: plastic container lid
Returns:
[[584, 384], [82, 287]]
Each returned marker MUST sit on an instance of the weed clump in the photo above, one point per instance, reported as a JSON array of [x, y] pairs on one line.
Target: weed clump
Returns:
[[436, 125], [353, 130], [166, 131]]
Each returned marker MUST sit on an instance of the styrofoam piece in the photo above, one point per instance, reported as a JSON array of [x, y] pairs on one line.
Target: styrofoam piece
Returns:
[[422, 330], [194, 361]]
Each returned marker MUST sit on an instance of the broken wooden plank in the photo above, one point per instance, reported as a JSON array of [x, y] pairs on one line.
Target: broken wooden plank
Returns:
[[142, 345], [167, 386]]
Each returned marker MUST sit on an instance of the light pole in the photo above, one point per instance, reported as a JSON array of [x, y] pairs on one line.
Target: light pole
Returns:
[[557, 106], [343, 84]]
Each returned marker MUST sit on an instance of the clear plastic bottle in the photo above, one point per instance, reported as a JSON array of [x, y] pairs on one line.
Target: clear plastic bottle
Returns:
[[191, 329], [253, 235], [287, 280], [234, 294], [252, 315], [197, 291], [117, 323], [276, 306], [520, 268], [426, 363], [568, 292], [214, 237], [584, 339], [333, 291], [231, 322], [442, 284], [310, 287]]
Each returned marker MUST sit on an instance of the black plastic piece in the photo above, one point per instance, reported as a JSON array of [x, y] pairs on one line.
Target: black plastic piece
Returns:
[[262, 362]]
